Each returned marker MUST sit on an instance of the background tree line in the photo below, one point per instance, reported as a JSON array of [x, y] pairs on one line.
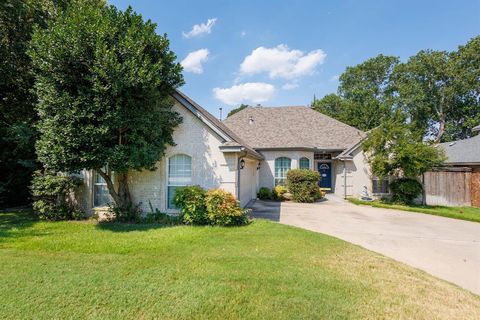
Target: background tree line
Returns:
[[437, 93], [18, 19]]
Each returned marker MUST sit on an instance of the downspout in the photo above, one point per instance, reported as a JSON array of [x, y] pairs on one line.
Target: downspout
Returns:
[[344, 179], [240, 157]]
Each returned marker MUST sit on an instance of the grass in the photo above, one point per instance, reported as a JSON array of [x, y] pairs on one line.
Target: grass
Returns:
[[53, 270], [462, 213]]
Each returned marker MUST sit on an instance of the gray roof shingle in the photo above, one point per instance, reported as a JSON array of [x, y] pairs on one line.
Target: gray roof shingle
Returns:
[[462, 151], [291, 127]]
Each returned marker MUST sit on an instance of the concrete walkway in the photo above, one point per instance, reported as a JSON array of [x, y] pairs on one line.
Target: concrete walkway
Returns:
[[444, 247]]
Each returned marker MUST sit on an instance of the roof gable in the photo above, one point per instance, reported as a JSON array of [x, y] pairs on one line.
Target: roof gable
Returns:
[[291, 127], [214, 124]]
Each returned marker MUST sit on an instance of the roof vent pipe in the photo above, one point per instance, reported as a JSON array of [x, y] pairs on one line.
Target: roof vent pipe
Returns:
[[250, 120]]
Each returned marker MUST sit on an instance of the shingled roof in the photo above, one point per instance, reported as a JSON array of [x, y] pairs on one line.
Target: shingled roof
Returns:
[[462, 151], [291, 127]]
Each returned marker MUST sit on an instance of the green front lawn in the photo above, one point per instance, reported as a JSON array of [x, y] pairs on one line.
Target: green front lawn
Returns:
[[262, 271], [462, 213]]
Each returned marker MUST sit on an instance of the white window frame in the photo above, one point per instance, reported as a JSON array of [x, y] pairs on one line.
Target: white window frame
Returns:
[[101, 184], [168, 185], [275, 177]]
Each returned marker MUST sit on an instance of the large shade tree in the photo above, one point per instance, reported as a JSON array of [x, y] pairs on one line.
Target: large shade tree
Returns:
[[104, 80], [437, 92], [364, 94], [427, 91], [17, 100]]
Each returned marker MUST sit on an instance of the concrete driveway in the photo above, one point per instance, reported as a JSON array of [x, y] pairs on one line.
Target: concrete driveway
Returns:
[[444, 247]]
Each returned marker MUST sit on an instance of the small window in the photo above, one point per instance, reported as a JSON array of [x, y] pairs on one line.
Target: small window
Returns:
[[304, 163], [322, 156], [179, 175], [380, 186], [282, 165], [101, 196]]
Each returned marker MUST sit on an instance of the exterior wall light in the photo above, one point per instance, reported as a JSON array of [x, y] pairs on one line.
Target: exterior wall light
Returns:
[[242, 164]]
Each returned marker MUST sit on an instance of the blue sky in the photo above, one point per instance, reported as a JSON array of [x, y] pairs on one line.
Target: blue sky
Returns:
[[283, 52]]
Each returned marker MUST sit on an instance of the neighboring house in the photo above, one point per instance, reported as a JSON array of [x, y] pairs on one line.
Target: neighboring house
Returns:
[[253, 148], [458, 183]]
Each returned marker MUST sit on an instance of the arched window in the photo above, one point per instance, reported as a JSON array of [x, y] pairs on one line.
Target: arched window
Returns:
[[179, 175], [282, 165], [304, 163]]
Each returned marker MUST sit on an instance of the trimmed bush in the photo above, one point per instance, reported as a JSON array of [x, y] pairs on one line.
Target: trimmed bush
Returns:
[[51, 192], [264, 194], [191, 202], [223, 209], [303, 185], [127, 214], [278, 192], [405, 190]]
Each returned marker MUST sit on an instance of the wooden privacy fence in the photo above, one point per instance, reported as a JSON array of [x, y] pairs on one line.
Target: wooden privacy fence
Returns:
[[450, 186]]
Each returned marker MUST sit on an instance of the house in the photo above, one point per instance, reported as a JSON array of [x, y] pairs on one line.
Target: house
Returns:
[[253, 148], [458, 183]]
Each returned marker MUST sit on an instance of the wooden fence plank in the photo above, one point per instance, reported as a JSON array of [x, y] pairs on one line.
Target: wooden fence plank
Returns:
[[448, 187]]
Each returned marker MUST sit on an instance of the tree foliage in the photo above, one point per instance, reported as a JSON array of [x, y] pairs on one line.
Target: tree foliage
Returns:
[[17, 114], [364, 94], [428, 92], [237, 109], [104, 79], [51, 196], [436, 91], [393, 149]]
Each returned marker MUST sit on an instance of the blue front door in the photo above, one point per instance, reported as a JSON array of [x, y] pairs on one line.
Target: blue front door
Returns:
[[325, 170]]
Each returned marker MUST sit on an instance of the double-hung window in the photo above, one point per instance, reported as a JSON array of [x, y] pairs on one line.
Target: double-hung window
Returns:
[[282, 165], [380, 185], [101, 196], [179, 175]]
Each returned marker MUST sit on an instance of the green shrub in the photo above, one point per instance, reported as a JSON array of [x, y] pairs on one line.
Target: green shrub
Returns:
[[278, 192], [405, 190], [130, 213], [303, 185], [264, 194], [191, 202], [51, 194], [223, 209], [156, 216]]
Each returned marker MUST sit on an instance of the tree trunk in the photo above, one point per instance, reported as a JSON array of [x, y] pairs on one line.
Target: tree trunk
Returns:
[[123, 190], [441, 129], [110, 186]]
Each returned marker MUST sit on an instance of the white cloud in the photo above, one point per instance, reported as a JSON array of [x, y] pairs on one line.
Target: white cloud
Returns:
[[290, 86], [254, 92], [199, 29], [193, 61], [335, 78], [281, 62]]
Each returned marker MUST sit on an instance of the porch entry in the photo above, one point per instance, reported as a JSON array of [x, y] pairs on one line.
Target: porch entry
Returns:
[[325, 170]]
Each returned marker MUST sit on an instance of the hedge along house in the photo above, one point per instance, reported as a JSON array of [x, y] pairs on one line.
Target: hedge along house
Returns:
[[253, 148]]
